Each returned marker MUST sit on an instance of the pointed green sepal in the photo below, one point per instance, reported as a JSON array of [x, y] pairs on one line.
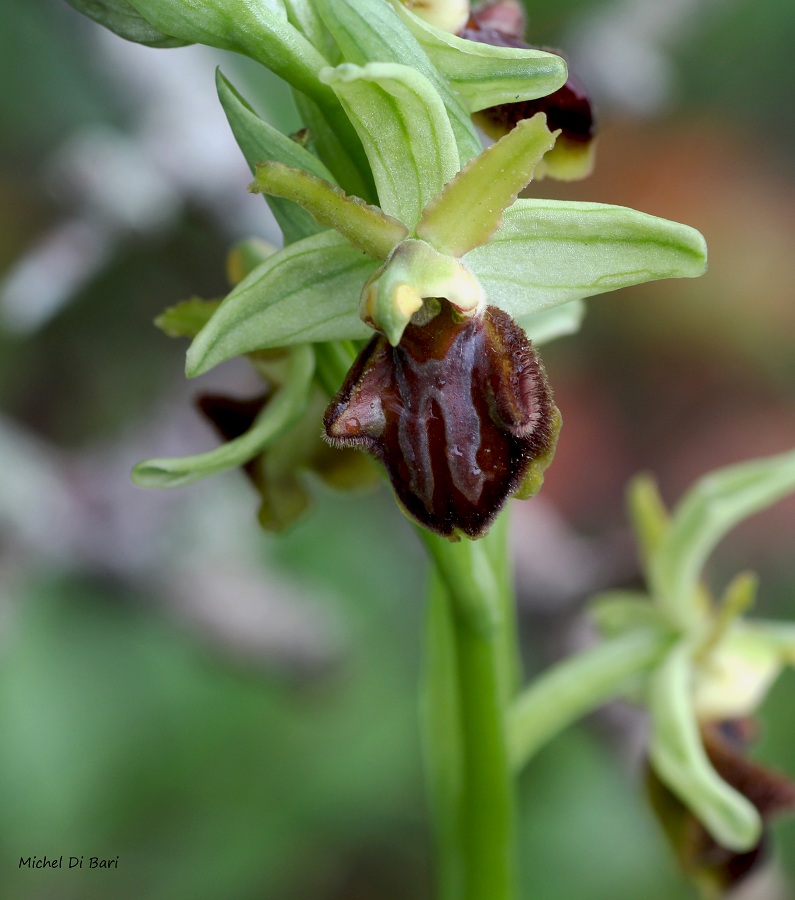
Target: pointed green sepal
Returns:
[[405, 131], [549, 252], [366, 227], [484, 75], [279, 414], [705, 514], [469, 210], [371, 31], [260, 142], [307, 292], [679, 759], [415, 272]]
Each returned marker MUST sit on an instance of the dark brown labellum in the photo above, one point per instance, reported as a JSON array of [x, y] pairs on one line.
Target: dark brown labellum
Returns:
[[457, 413]]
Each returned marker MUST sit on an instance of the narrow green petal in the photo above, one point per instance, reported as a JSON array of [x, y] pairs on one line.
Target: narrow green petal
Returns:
[[678, 756], [371, 31], [716, 504], [187, 318], [259, 142], [281, 412], [549, 252], [483, 75], [259, 30], [547, 326], [405, 131], [469, 210], [366, 227], [120, 17], [307, 292]]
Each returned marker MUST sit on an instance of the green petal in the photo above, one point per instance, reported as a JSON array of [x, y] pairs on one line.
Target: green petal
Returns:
[[484, 75], [371, 31], [307, 292], [120, 17], [470, 208], [549, 252], [405, 131], [547, 326], [280, 413], [260, 142], [716, 504], [678, 756], [366, 227], [259, 30]]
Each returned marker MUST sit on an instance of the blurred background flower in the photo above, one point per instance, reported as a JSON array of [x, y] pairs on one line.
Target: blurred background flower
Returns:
[[233, 714]]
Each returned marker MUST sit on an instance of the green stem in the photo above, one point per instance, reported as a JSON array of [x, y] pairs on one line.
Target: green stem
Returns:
[[497, 543], [485, 847], [578, 685]]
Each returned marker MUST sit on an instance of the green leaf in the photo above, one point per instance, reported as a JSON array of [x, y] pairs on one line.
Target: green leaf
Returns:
[[120, 17], [549, 252], [366, 227], [716, 504], [469, 210], [259, 30], [307, 292], [648, 515], [371, 31], [484, 75], [186, 319], [547, 326], [405, 131], [260, 142], [280, 412], [678, 756]]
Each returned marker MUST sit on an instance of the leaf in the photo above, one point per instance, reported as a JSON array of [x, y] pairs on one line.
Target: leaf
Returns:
[[371, 31], [366, 227], [307, 292], [549, 252], [484, 75], [547, 326], [405, 131], [259, 142], [259, 30], [679, 759], [123, 19], [280, 413], [470, 208], [186, 319], [715, 504], [648, 515]]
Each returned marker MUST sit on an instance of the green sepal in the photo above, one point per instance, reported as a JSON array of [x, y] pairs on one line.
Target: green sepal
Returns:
[[366, 227], [470, 208], [484, 75], [371, 31], [405, 131], [705, 514], [187, 318], [549, 252], [260, 30], [279, 414], [547, 326], [259, 142], [677, 754], [123, 19], [307, 292]]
